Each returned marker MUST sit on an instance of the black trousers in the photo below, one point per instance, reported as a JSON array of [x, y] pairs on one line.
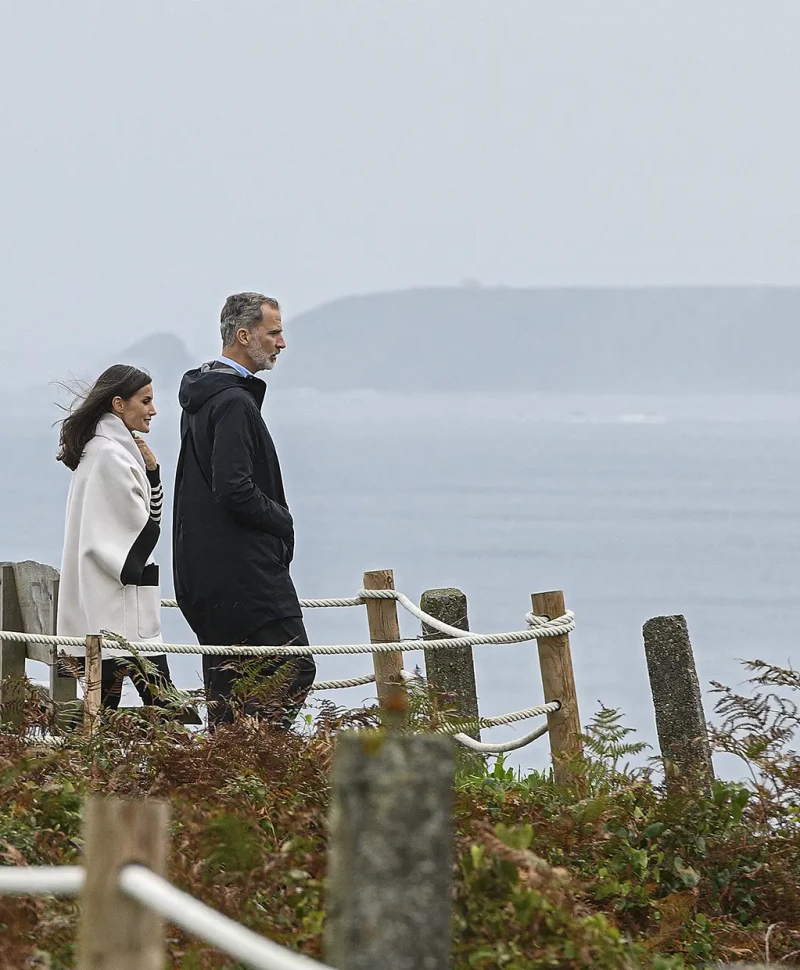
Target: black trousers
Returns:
[[271, 689], [149, 685]]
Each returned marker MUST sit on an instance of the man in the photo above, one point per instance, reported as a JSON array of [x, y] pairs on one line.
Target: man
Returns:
[[233, 535]]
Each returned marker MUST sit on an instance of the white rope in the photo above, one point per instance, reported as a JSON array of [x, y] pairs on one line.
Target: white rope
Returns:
[[195, 917], [456, 727], [503, 746], [162, 897], [414, 610], [467, 640], [341, 684], [554, 628], [538, 627], [337, 601], [544, 625], [41, 880], [12, 636]]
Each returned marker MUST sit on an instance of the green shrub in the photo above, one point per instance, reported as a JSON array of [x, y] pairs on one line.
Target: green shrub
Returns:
[[630, 875]]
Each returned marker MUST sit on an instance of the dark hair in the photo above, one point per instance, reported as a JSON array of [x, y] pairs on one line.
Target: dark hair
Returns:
[[120, 380], [243, 310]]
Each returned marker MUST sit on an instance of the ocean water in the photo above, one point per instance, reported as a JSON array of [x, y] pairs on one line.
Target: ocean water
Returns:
[[634, 507]]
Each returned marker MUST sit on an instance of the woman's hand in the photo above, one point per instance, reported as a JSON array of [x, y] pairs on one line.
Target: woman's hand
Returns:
[[149, 458]]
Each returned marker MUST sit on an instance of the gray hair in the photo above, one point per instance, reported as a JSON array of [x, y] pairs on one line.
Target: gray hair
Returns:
[[243, 310]]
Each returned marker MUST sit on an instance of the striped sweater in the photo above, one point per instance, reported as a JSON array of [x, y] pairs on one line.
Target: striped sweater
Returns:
[[156, 494]]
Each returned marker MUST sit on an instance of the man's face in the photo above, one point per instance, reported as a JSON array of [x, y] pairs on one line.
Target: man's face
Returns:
[[265, 341]]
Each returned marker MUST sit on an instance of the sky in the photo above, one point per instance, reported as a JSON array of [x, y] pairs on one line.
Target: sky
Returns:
[[157, 155]]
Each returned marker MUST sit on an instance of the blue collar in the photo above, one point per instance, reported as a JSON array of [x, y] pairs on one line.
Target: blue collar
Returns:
[[236, 366]]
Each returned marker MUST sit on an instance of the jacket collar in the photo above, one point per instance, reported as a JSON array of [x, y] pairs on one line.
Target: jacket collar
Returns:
[[113, 428], [257, 386]]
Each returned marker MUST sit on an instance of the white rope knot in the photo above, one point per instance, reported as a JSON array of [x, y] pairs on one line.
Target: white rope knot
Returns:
[[547, 627]]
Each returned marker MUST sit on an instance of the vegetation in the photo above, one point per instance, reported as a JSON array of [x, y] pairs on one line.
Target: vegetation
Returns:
[[629, 875]]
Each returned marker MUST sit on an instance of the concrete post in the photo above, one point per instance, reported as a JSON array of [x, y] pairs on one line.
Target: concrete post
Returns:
[[680, 720], [390, 854], [451, 672]]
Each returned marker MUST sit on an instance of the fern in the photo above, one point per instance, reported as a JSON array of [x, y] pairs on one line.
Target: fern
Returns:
[[606, 749]]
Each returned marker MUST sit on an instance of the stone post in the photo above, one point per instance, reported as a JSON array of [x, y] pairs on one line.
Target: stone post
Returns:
[[390, 853], [680, 720], [451, 672]]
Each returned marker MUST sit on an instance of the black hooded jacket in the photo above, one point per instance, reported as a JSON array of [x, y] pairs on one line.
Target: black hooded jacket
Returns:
[[233, 536]]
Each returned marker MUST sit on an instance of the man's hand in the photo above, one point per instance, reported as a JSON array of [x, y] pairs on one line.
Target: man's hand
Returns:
[[149, 458]]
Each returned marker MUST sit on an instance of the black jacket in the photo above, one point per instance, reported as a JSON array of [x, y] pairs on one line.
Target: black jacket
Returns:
[[233, 536]]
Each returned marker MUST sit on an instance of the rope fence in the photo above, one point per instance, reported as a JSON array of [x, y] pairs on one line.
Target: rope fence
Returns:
[[451, 638], [157, 894], [538, 627], [456, 729]]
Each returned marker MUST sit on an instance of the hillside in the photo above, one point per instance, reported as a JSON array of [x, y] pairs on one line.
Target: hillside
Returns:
[[628, 876], [660, 340]]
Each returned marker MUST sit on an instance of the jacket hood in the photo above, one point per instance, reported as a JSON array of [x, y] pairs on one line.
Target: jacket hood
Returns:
[[202, 383]]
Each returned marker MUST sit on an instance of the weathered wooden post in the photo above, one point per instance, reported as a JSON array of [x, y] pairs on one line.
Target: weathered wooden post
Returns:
[[558, 683], [384, 627], [32, 604], [390, 853], [116, 932], [63, 686], [12, 655], [92, 697], [452, 671], [34, 593], [678, 702]]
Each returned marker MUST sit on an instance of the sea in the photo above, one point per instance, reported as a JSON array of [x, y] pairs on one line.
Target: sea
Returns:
[[633, 506]]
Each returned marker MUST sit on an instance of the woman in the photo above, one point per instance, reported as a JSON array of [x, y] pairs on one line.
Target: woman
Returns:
[[109, 580]]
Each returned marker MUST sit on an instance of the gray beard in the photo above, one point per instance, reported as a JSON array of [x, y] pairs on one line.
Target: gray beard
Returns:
[[261, 361]]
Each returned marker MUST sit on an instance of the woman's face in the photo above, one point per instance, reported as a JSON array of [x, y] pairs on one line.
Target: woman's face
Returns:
[[136, 411]]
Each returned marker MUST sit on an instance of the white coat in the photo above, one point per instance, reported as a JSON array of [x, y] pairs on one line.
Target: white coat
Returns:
[[109, 580]]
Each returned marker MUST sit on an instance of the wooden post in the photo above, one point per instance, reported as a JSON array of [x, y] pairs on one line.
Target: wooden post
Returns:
[[34, 593], [116, 932], [558, 682], [12, 655], [452, 671], [678, 702], [385, 628], [63, 686], [390, 853], [92, 696]]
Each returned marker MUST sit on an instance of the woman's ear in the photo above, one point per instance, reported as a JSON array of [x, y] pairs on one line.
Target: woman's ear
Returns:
[[117, 405]]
